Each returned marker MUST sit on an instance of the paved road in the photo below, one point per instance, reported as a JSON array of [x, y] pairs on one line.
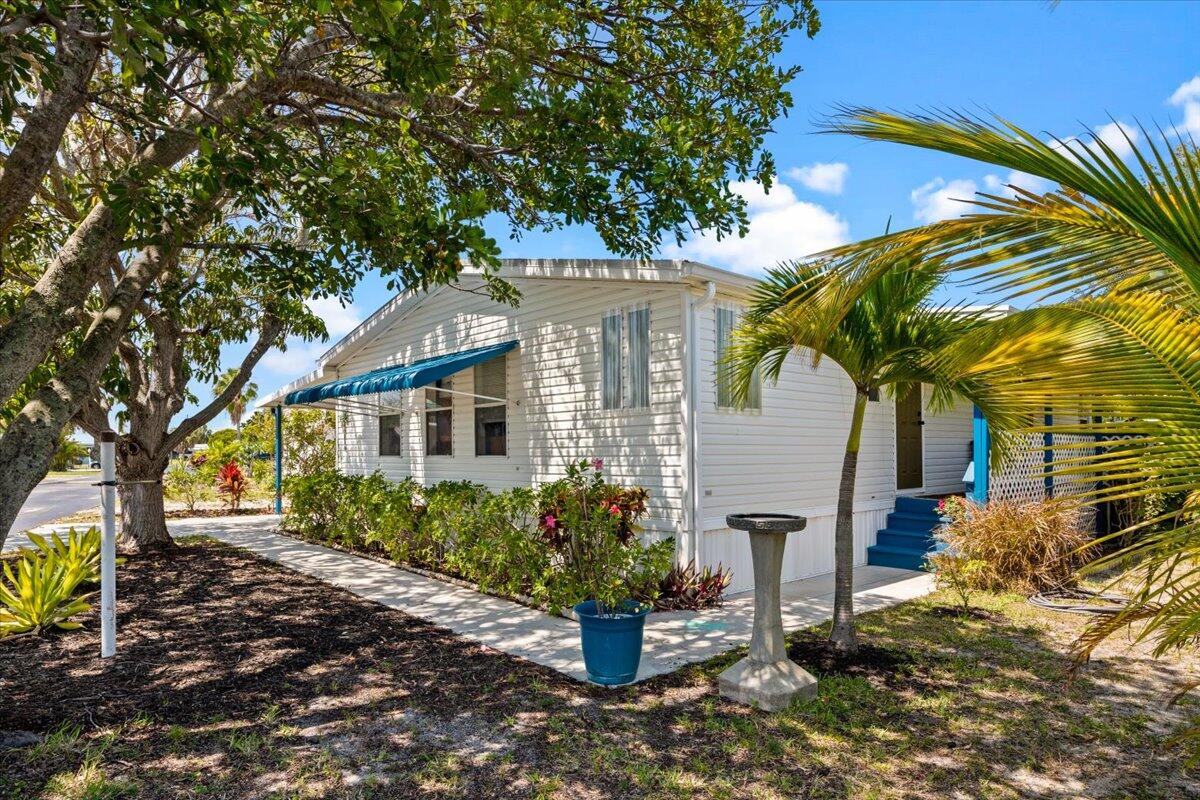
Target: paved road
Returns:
[[54, 498]]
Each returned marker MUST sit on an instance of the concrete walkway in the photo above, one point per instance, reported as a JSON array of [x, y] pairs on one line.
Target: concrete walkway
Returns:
[[672, 639]]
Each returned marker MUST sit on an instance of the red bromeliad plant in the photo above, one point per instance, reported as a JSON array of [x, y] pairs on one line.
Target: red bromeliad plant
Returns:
[[232, 484]]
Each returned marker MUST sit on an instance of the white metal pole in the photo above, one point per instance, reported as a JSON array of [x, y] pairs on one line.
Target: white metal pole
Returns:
[[108, 544]]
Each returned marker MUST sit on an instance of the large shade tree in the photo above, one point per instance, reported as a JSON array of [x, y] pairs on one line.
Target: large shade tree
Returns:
[[1114, 254], [883, 338], [390, 131]]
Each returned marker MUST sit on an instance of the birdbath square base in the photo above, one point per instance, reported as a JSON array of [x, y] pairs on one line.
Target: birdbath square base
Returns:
[[771, 687], [766, 677]]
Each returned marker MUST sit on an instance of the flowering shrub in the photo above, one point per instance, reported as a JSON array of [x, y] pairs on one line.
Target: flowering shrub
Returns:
[[953, 508], [232, 484]]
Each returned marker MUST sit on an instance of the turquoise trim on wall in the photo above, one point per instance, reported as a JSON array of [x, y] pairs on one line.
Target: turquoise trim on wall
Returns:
[[982, 446]]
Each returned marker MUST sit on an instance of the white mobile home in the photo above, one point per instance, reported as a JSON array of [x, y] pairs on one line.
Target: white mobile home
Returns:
[[616, 359]]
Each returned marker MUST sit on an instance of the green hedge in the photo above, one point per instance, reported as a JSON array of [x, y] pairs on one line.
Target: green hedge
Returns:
[[498, 541]]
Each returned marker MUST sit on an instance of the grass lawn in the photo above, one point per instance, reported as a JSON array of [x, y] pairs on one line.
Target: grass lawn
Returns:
[[239, 678]]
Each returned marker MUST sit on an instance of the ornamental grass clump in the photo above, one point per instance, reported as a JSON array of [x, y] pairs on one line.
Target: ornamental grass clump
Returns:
[[1014, 546]]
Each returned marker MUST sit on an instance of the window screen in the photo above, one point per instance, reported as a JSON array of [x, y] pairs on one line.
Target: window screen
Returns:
[[639, 358], [391, 435], [439, 419], [491, 411]]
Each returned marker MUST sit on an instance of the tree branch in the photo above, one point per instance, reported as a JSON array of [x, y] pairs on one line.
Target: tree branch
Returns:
[[269, 333]]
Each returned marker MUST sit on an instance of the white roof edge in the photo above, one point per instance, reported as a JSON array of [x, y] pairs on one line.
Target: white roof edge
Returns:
[[275, 398], [660, 270]]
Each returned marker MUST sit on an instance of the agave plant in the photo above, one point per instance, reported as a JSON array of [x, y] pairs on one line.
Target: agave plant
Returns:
[[39, 593], [1114, 253]]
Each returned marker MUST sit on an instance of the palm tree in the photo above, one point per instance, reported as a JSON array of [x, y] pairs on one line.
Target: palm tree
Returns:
[[882, 340], [1115, 251], [240, 401]]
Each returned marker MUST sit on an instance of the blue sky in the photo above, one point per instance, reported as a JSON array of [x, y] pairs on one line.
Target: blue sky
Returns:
[[1059, 70]]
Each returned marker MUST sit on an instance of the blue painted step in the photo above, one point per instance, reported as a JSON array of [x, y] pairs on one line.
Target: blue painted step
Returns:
[[908, 537], [916, 505]]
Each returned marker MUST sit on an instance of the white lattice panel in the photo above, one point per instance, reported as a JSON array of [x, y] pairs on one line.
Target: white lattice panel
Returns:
[[1021, 475], [1066, 447]]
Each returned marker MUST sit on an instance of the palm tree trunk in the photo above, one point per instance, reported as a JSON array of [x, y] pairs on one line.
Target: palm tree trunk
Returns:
[[842, 635]]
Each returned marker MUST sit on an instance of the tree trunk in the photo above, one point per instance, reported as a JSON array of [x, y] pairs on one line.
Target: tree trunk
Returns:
[[30, 440], [143, 515], [843, 635], [34, 150]]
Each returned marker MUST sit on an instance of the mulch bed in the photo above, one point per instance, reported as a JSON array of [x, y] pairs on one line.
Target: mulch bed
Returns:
[[210, 630], [236, 677]]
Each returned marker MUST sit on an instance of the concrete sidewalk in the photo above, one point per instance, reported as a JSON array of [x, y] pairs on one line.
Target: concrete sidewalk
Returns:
[[672, 639]]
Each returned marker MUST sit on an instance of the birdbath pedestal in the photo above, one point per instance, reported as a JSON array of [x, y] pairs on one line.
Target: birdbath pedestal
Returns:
[[766, 677]]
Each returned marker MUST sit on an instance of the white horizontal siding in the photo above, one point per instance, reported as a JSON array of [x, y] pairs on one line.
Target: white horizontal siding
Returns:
[[789, 454], [947, 441], [554, 410]]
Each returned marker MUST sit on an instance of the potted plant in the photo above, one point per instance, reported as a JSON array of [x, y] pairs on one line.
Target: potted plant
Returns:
[[593, 523]]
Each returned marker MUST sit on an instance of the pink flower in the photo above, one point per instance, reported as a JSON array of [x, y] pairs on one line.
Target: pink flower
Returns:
[[549, 521], [597, 464], [614, 510], [941, 505]]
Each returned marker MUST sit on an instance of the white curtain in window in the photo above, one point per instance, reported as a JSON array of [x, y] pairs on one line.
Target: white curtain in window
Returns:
[[727, 320], [639, 358], [610, 355]]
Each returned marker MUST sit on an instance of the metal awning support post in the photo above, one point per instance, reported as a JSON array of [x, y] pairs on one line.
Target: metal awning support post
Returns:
[[108, 544], [278, 412]]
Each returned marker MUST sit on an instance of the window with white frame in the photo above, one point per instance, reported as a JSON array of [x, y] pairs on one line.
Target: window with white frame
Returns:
[[491, 407], [625, 358], [727, 318], [439, 419]]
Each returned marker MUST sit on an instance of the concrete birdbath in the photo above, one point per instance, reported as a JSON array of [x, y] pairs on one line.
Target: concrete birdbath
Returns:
[[766, 677]]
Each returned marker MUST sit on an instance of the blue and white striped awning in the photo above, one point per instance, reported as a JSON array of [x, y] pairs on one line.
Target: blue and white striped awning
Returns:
[[398, 378]]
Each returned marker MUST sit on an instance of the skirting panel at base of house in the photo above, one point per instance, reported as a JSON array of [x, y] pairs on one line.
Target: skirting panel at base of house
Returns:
[[808, 553]]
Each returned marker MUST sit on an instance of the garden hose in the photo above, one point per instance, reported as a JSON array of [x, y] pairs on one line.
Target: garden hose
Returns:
[[1080, 601]]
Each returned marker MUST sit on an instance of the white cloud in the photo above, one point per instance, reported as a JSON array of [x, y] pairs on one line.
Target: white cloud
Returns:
[[994, 184], [1187, 97], [1119, 136], [822, 177], [940, 199], [1187, 92], [301, 356], [781, 228], [339, 319]]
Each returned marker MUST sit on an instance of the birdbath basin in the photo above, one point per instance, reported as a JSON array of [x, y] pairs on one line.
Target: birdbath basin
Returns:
[[766, 677]]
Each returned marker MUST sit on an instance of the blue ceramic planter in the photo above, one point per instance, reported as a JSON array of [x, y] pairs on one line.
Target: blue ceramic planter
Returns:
[[612, 646]]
